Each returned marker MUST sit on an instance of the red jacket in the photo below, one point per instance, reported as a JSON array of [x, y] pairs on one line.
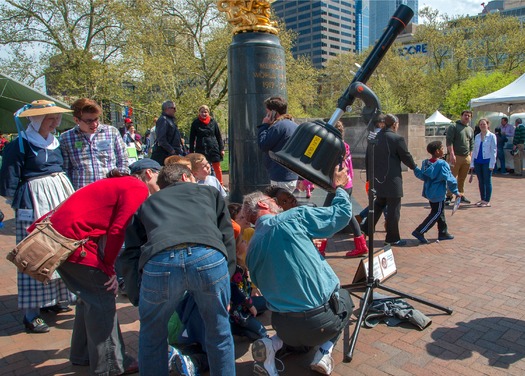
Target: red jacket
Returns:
[[104, 207]]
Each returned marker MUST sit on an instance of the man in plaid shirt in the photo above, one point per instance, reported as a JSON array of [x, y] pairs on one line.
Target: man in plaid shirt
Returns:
[[91, 149]]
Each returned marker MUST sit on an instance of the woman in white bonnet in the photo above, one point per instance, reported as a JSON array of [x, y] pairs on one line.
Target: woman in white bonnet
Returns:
[[32, 177]]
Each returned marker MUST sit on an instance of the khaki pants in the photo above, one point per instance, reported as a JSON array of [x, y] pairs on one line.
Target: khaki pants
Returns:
[[518, 161], [460, 171]]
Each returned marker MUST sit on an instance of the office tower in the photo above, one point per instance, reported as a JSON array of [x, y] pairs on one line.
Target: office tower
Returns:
[[325, 28], [362, 16], [380, 13]]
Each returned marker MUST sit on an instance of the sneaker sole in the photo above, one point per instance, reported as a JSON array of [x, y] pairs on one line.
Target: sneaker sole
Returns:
[[259, 351], [319, 369], [259, 370], [259, 356]]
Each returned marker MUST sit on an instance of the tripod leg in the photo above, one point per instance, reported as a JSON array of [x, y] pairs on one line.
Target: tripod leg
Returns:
[[364, 309], [416, 299]]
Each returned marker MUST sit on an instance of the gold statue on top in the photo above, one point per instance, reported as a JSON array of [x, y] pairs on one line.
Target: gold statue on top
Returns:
[[249, 15]]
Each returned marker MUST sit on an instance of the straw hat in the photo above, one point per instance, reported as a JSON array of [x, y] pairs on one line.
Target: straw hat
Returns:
[[42, 107]]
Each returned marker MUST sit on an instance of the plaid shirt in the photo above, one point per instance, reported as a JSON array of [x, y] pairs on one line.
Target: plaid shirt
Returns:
[[87, 159]]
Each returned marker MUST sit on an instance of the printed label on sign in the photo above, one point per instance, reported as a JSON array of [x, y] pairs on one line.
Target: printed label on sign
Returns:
[[313, 146]]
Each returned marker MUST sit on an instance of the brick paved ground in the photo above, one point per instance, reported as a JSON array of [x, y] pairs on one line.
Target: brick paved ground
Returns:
[[480, 274]]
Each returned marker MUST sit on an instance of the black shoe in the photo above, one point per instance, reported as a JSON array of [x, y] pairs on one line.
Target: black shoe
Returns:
[[465, 200], [448, 201], [57, 308], [37, 325], [445, 236], [122, 288], [419, 236], [399, 243]]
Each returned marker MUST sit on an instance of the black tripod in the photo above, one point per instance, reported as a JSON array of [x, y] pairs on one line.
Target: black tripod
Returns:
[[371, 282]]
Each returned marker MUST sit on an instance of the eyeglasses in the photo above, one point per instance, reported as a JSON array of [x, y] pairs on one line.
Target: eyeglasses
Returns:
[[90, 121]]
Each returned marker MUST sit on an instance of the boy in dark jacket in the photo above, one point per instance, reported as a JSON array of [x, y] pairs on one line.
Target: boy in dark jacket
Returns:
[[437, 177]]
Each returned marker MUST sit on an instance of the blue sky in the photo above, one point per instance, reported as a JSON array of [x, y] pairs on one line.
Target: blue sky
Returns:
[[454, 8]]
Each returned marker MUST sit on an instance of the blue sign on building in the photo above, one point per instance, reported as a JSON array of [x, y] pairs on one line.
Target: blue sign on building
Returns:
[[413, 49]]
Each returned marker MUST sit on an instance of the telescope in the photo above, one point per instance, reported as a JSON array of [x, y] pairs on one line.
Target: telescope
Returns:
[[316, 148]]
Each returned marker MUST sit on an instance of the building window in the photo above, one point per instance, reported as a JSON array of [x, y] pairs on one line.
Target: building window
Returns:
[[304, 24], [304, 8]]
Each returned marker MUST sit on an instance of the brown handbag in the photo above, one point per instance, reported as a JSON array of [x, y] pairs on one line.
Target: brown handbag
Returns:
[[43, 251]]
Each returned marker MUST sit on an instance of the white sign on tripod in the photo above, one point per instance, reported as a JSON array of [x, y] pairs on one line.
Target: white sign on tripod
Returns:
[[384, 266]]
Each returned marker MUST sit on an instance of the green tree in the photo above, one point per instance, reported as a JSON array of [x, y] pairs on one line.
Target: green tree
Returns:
[[75, 32], [476, 86], [498, 43], [178, 51], [301, 77]]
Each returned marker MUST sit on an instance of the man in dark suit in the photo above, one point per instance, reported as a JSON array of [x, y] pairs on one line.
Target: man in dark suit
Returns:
[[389, 152], [168, 138]]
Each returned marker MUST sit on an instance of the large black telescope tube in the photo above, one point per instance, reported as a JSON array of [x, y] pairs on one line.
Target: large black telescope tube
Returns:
[[397, 23]]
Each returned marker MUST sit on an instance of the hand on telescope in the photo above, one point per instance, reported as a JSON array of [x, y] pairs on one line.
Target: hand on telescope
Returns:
[[340, 177]]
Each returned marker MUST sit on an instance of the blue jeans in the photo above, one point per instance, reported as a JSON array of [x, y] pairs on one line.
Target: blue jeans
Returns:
[[203, 273], [484, 180], [501, 159]]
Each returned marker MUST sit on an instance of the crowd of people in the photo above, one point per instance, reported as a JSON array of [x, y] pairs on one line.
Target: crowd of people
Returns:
[[201, 270]]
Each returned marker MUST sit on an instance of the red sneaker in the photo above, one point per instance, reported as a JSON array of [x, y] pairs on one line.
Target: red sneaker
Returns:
[[356, 253]]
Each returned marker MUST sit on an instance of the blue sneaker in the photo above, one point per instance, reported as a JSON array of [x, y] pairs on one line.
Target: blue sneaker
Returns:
[[180, 364], [419, 236]]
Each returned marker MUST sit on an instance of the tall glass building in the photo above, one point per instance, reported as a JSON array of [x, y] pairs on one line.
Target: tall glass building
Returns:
[[362, 17], [325, 28], [380, 13]]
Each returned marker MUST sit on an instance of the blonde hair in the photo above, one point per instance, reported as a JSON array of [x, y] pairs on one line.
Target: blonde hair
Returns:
[[340, 127], [205, 107], [195, 159], [177, 159]]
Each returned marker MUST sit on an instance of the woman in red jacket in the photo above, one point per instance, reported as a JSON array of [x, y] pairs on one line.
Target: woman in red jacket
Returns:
[[101, 212]]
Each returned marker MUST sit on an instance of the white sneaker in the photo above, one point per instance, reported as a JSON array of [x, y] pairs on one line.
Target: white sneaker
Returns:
[[322, 363], [264, 358]]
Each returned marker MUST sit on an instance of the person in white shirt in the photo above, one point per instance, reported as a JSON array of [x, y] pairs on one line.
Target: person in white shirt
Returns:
[[201, 169]]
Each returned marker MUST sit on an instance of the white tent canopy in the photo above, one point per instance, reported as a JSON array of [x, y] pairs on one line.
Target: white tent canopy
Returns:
[[437, 118], [509, 100]]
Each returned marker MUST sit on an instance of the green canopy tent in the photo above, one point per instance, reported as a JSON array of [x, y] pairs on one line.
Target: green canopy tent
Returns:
[[14, 94]]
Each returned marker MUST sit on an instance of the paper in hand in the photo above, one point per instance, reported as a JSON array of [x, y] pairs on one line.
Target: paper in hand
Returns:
[[456, 204]]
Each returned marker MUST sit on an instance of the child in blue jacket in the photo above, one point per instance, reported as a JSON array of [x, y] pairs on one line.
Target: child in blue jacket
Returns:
[[437, 176]]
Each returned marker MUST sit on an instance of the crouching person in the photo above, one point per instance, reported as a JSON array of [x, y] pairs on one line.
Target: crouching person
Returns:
[[181, 240], [312, 310], [99, 212]]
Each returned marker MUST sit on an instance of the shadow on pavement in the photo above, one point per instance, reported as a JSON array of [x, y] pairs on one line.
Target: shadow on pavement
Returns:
[[499, 339]]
